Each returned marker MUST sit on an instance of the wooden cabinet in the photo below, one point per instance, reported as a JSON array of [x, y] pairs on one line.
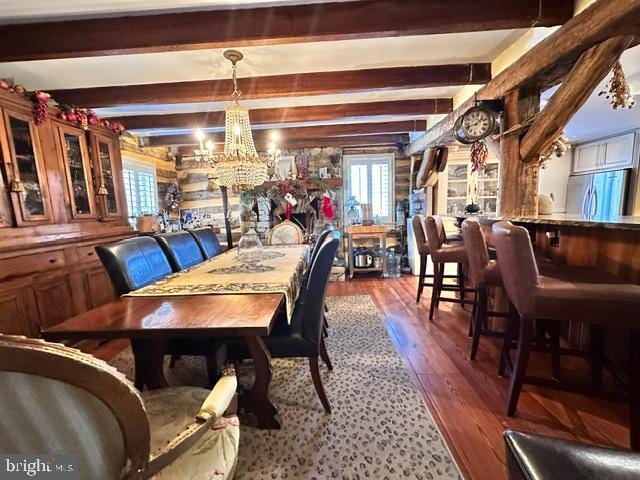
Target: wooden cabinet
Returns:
[[53, 216], [25, 167], [610, 154]]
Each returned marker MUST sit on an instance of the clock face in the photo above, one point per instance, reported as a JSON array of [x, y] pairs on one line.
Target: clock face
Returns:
[[477, 123]]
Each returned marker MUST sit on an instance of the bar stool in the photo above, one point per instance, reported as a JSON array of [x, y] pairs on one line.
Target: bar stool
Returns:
[[537, 297], [441, 254], [419, 232], [483, 274]]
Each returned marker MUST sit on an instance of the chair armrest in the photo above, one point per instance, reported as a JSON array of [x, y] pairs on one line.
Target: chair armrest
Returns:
[[218, 401]]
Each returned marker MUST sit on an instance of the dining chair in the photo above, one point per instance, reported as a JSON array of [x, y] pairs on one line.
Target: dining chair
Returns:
[[57, 399], [207, 241], [133, 263], [137, 262], [302, 337], [286, 233], [314, 253], [181, 249]]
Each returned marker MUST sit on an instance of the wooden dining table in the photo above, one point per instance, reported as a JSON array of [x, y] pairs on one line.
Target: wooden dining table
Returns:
[[149, 323]]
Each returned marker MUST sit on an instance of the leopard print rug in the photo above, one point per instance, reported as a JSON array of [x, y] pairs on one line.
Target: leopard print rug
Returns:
[[379, 427]]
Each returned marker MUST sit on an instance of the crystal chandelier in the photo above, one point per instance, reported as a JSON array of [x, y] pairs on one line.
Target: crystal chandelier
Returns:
[[239, 166]]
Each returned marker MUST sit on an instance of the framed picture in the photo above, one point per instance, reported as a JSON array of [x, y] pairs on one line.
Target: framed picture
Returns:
[[323, 172], [287, 165]]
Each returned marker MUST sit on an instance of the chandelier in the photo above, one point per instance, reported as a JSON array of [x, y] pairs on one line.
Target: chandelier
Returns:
[[239, 166]]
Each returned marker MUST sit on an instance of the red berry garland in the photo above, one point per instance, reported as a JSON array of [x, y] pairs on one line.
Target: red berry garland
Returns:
[[40, 107], [479, 154]]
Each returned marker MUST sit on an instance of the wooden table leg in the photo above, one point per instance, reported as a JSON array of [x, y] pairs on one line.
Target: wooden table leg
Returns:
[[634, 392], [256, 400], [148, 358]]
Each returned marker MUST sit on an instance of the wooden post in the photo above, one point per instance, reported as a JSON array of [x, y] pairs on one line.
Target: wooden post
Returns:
[[518, 181], [227, 222]]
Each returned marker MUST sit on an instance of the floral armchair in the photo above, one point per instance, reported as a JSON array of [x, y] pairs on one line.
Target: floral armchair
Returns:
[[56, 399]]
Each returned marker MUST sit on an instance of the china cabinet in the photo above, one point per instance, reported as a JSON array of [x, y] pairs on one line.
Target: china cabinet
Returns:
[[462, 186], [61, 194]]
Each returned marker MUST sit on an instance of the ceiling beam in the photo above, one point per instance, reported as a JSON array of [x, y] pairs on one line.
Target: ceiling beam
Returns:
[[301, 133], [315, 113], [548, 62], [272, 26], [387, 139], [274, 86]]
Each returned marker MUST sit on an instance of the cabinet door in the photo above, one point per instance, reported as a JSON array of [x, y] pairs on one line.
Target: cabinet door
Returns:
[[5, 169], [618, 152], [18, 315], [31, 205], [107, 173], [53, 299], [77, 166], [587, 157], [98, 288]]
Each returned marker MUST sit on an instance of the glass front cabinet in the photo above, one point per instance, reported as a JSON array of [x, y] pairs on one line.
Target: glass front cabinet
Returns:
[[24, 167], [107, 173], [459, 186]]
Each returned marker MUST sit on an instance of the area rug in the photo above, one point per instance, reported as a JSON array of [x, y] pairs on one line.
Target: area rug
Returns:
[[379, 426]]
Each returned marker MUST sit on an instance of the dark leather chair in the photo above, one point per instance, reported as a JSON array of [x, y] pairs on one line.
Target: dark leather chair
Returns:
[[303, 336], [181, 249], [553, 299], [538, 457], [207, 241], [133, 263], [441, 253]]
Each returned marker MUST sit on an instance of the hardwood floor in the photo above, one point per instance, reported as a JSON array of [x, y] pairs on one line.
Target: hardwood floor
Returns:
[[468, 398]]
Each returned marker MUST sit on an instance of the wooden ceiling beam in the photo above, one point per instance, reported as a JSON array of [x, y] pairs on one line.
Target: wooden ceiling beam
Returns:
[[546, 63], [271, 26], [388, 139], [315, 113], [301, 133], [276, 86]]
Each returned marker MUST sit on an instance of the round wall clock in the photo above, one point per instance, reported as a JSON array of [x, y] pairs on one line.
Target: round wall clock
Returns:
[[475, 124]]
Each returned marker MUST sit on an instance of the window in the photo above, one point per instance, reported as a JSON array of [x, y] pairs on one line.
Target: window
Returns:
[[140, 188], [370, 179]]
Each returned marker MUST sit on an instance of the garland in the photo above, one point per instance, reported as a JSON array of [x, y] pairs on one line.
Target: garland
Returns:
[[479, 154], [42, 101]]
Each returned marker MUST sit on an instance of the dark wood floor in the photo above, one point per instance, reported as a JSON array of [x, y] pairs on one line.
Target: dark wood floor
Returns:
[[468, 398]]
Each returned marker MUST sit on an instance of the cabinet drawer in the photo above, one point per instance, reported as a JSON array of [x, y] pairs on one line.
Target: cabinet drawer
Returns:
[[87, 254], [28, 264]]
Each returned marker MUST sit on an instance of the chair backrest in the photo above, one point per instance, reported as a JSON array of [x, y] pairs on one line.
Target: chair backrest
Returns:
[[181, 249], [419, 232], [207, 241], [319, 242], [286, 233], [435, 235], [517, 264], [316, 289], [133, 263], [477, 252], [59, 400]]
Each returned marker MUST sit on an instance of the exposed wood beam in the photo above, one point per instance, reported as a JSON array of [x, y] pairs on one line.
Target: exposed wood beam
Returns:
[[270, 26], [274, 86], [301, 133], [548, 61], [267, 116], [592, 67], [355, 141]]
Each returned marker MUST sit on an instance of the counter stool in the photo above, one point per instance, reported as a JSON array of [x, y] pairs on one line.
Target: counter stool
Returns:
[[441, 254], [419, 232], [536, 297]]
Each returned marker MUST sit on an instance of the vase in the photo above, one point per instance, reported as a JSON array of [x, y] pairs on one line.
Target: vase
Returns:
[[249, 246]]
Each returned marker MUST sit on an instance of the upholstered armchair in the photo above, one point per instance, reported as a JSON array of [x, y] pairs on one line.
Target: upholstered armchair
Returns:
[[57, 399]]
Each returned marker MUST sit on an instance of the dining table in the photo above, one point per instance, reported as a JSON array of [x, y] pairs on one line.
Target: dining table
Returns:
[[226, 296]]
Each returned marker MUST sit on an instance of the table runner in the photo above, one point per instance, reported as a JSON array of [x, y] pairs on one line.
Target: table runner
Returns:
[[270, 270]]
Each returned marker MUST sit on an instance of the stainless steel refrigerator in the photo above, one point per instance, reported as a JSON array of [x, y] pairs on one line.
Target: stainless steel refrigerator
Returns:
[[598, 195]]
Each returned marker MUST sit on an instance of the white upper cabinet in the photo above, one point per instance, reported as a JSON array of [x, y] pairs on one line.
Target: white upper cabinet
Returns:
[[610, 154]]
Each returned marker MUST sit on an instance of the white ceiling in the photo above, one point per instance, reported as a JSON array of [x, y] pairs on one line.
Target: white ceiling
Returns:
[[12, 11], [596, 118], [260, 60]]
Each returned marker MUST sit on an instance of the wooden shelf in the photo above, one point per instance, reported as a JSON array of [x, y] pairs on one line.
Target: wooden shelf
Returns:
[[332, 182]]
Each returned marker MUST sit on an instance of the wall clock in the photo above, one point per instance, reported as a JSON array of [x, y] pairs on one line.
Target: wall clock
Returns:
[[475, 124]]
